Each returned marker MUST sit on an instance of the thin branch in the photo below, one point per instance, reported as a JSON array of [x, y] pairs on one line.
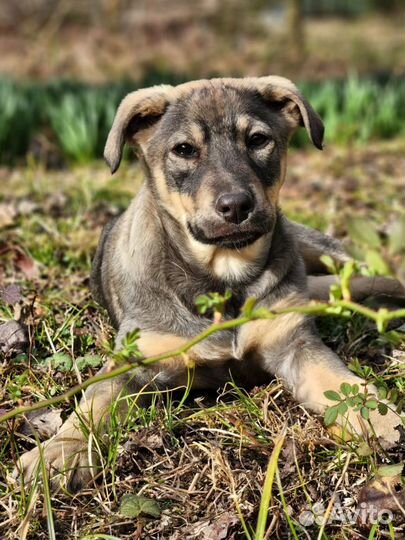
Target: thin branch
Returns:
[[313, 308]]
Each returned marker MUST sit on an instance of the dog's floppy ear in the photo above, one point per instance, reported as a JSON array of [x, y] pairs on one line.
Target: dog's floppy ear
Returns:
[[293, 105], [137, 111]]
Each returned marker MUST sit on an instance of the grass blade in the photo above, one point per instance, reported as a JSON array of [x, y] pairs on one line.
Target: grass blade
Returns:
[[268, 486]]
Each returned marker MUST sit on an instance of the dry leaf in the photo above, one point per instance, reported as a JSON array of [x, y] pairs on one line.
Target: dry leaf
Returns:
[[27, 265], [385, 427], [7, 214], [144, 438], [290, 453], [383, 494], [13, 337], [22, 261], [218, 529], [26, 207], [209, 529], [55, 203], [11, 294]]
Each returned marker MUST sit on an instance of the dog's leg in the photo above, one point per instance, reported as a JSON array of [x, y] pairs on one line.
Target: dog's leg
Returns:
[[69, 452], [69, 455], [312, 244], [289, 348], [313, 368], [382, 289]]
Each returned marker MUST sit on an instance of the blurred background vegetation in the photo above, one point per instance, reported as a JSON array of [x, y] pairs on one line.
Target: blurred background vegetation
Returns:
[[65, 64]]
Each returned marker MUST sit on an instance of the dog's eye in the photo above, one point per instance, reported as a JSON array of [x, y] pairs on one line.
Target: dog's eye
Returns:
[[185, 150], [257, 141]]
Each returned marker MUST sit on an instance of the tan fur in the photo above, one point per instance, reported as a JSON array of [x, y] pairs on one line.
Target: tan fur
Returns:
[[205, 197], [134, 249], [273, 192], [243, 122], [227, 263], [236, 264], [315, 379], [196, 134], [154, 344], [257, 336], [177, 204]]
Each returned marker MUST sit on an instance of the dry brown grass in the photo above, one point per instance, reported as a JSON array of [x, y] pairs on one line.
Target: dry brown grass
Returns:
[[194, 40], [204, 462]]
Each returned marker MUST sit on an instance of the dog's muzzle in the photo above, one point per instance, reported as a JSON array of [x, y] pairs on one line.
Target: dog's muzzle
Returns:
[[235, 207], [231, 235]]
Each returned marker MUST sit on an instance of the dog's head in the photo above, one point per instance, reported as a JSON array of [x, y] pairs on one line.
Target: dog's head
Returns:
[[215, 151]]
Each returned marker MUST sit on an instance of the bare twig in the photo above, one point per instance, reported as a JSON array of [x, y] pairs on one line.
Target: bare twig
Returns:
[[313, 308]]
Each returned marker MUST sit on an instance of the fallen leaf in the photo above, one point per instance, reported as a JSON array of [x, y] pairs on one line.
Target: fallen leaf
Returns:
[[11, 294], [383, 494], [386, 426], [21, 260], [27, 265], [218, 529], [133, 506], [26, 207], [7, 214], [290, 454], [208, 529], [390, 470], [144, 438], [55, 203], [45, 423], [13, 338]]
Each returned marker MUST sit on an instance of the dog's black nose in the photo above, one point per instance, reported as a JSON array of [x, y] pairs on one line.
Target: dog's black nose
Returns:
[[235, 207]]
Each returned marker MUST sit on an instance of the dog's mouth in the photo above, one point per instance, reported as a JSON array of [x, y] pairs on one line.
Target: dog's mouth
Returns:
[[234, 240]]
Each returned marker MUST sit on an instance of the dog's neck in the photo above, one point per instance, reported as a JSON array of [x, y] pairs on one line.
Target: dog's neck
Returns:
[[238, 268]]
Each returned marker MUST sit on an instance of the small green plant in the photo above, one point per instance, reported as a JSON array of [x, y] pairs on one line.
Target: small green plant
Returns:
[[80, 115], [17, 121], [76, 121], [214, 302], [392, 394], [369, 245], [351, 397], [129, 349]]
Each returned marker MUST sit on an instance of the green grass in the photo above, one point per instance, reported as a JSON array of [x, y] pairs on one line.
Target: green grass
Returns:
[[356, 110], [69, 122], [202, 457]]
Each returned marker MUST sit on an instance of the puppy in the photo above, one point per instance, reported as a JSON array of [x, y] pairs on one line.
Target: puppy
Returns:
[[206, 220]]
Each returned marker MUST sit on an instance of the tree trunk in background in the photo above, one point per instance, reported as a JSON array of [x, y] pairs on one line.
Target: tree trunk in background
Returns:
[[295, 29]]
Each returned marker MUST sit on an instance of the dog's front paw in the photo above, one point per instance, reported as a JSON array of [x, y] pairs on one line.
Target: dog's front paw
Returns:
[[67, 461], [384, 427]]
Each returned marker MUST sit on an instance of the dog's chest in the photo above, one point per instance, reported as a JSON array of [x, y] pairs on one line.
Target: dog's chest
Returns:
[[190, 282], [229, 266]]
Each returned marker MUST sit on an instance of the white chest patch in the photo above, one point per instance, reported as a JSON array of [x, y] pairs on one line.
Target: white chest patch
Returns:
[[231, 264]]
